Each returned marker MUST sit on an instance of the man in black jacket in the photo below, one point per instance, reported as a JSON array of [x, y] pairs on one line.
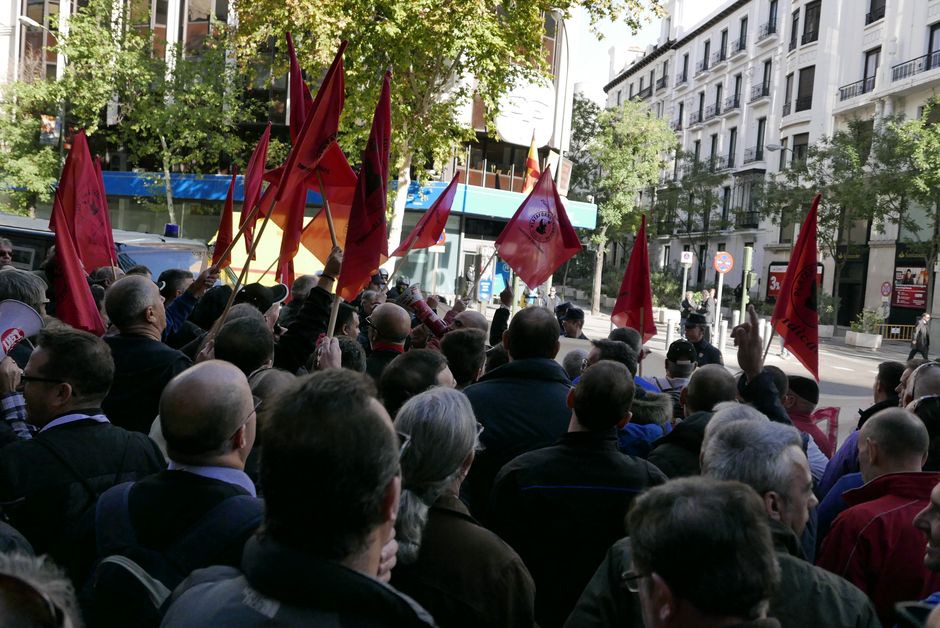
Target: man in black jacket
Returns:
[[572, 497], [522, 405], [49, 485], [920, 343], [501, 317], [389, 327], [143, 364], [696, 332]]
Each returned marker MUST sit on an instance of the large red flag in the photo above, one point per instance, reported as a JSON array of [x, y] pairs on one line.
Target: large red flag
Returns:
[[429, 229], [254, 177], [74, 303], [84, 209], [634, 307], [795, 316], [539, 238], [224, 237], [366, 238], [106, 215], [300, 99], [318, 132]]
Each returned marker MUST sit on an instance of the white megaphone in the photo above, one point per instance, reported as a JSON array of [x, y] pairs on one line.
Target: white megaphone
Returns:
[[17, 322]]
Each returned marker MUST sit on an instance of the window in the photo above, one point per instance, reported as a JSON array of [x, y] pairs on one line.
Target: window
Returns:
[[685, 66], [743, 33], [804, 94], [652, 75], [642, 79], [701, 105], [697, 149], [872, 60], [631, 90], [619, 98], [933, 47], [718, 94], [708, 51], [800, 144], [723, 49], [772, 13], [795, 29], [811, 22], [666, 252], [876, 11], [788, 94], [783, 153], [725, 203], [713, 149], [665, 66], [766, 77], [732, 145], [681, 113], [738, 80], [761, 132]]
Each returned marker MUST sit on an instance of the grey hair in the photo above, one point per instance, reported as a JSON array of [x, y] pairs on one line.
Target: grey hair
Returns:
[[728, 412], [443, 432], [128, 298], [22, 286], [7, 242], [754, 452], [44, 576], [572, 362]]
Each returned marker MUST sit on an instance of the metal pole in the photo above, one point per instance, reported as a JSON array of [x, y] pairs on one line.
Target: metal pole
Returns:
[[717, 318], [722, 335], [16, 40], [685, 279], [748, 256]]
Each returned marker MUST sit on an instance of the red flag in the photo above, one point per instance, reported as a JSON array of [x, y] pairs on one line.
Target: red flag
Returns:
[[74, 303], [254, 177], [224, 237], [318, 132], [366, 238], [429, 229], [795, 316], [84, 209], [539, 238], [106, 216], [634, 307], [531, 167], [300, 100]]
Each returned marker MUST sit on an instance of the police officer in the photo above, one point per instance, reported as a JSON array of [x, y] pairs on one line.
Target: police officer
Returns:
[[705, 352]]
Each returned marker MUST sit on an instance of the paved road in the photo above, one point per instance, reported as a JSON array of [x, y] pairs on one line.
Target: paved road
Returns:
[[847, 373]]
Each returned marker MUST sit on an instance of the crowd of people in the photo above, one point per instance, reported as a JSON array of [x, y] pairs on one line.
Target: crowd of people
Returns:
[[427, 467]]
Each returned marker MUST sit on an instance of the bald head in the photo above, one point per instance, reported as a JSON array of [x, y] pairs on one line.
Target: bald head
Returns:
[[390, 323], [471, 320], [708, 386], [925, 381], [899, 434], [129, 302], [203, 408]]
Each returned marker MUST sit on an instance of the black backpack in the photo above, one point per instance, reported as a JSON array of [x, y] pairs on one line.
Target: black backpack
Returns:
[[131, 584]]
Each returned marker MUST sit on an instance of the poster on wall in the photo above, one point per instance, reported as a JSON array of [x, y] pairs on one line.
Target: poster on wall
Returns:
[[910, 287], [775, 274]]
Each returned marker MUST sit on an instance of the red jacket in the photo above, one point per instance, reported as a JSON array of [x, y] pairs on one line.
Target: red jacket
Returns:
[[875, 546], [805, 423]]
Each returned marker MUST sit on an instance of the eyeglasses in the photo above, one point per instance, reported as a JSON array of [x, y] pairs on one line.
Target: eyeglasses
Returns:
[[255, 404], [631, 580], [41, 599], [25, 379], [404, 442]]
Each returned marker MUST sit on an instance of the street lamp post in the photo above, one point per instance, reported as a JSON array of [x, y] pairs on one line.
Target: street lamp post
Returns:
[[60, 69]]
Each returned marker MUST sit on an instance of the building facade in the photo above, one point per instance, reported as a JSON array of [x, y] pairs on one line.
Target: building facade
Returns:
[[749, 87]]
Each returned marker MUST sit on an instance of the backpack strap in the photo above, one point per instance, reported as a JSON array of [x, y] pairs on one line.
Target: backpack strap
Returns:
[[235, 517], [113, 527], [156, 590]]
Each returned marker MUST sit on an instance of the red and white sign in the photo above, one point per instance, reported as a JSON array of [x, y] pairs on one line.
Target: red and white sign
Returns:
[[686, 258], [777, 271], [910, 287], [723, 262], [17, 321], [886, 289]]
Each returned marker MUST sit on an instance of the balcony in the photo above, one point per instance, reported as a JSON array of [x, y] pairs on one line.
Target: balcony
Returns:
[[753, 154], [682, 79], [666, 226], [661, 82], [916, 66], [857, 88], [738, 46], [874, 16], [719, 57], [760, 91], [803, 103], [746, 220], [810, 36], [712, 111], [676, 125], [732, 103], [787, 108], [793, 42], [645, 93], [695, 118], [766, 31], [701, 66]]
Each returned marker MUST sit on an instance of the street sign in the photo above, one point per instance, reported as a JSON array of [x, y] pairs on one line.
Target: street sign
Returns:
[[686, 258], [723, 262], [886, 289]]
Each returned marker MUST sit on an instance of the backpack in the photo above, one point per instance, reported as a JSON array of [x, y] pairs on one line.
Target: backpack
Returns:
[[131, 584]]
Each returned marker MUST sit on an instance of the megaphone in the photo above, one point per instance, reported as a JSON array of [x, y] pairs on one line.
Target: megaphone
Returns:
[[17, 322]]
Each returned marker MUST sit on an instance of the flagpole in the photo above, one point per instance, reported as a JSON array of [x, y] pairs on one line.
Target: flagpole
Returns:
[[264, 274], [773, 332], [639, 362], [334, 314], [398, 265], [326, 208]]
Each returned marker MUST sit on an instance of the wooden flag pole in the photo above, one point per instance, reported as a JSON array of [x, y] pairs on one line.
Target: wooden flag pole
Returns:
[[334, 313], [252, 215], [639, 362], [273, 264], [773, 332], [486, 266], [326, 208]]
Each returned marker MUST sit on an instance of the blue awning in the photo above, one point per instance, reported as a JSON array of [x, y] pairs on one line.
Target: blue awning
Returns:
[[470, 200]]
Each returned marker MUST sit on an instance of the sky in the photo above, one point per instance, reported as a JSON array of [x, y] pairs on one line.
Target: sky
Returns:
[[590, 59]]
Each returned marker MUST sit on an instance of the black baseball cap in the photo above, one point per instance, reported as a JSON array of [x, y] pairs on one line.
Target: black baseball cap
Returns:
[[804, 387], [695, 320], [573, 314], [681, 352], [262, 297]]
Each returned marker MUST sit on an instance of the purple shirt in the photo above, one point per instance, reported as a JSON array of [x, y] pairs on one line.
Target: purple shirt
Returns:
[[223, 474], [844, 461]]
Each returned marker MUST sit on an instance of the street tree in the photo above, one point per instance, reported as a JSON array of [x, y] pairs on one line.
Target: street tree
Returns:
[[629, 150], [584, 130], [835, 167], [445, 56]]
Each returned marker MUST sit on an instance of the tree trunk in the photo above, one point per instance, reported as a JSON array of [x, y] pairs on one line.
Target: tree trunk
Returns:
[[167, 183], [401, 199], [836, 303], [601, 238]]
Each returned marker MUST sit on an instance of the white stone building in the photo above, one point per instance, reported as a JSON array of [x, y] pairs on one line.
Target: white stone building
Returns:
[[752, 84]]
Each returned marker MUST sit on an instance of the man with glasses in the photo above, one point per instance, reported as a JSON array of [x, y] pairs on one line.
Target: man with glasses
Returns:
[[50, 483], [202, 509]]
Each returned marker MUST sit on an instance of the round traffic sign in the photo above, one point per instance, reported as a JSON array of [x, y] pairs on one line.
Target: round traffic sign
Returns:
[[723, 262], [886, 289]]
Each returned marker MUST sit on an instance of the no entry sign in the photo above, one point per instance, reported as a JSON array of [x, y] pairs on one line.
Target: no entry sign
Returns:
[[723, 262]]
